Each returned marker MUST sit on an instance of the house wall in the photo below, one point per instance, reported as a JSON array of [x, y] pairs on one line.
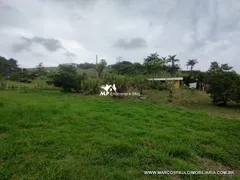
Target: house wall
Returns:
[[177, 84]]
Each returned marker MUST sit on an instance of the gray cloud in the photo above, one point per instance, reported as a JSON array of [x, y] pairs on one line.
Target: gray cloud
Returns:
[[50, 44], [38, 55], [200, 29], [6, 13], [70, 54], [75, 3], [134, 43]]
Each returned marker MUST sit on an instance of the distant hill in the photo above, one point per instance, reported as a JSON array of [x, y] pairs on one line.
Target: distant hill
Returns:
[[91, 72]]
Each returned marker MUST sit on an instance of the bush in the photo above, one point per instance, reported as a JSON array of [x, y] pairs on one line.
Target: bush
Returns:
[[158, 85], [91, 86], [49, 82], [189, 79], [224, 86], [141, 83], [23, 79], [184, 86], [16, 76], [68, 79], [121, 82], [2, 81]]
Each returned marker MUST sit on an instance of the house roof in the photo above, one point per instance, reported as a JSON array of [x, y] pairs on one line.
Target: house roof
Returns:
[[166, 79]]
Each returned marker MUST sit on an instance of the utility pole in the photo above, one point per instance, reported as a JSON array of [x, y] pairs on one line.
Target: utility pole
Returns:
[[96, 65]]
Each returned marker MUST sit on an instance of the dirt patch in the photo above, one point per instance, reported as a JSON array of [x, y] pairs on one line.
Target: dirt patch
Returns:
[[211, 165], [5, 134]]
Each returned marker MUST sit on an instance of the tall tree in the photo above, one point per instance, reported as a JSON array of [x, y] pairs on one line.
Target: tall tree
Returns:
[[7, 67], [226, 67], [123, 67], [67, 78], [174, 67], [41, 71], [152, 58], [153, 63], [224, 84], [119, 59], [192, 63], [100, 67], [139, 68], [214, 66], [164, 59], [172, 60]]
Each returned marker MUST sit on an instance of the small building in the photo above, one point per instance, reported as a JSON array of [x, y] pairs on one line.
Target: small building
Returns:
[[177, 80]]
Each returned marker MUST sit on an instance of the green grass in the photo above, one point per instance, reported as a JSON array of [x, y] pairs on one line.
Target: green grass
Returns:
[[50, 135], [194, 100], [21, 84], [33, 86]]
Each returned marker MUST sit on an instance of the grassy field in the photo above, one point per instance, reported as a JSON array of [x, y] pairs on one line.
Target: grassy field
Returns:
[[21, 84], [194, 100], [50, 135]]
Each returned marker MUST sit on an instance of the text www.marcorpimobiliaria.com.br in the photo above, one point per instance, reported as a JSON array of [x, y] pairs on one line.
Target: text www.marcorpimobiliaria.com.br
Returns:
[[189, 172]]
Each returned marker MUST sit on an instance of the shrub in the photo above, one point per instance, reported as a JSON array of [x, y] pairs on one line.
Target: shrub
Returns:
[[49, 82], [91, 86], [170, 86], [16, 76], [68, 79], [140, 82], [2, 81], [224, 86], [23, 79], [121, 82], [158, 85]]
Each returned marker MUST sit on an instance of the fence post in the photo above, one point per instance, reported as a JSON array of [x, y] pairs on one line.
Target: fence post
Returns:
[[7, 87]]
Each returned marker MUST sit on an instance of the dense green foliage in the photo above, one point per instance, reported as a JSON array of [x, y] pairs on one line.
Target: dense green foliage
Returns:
[[68, 79], [224, 84], [128, 68], [91, 86], [7, 67], [100, 67], [86, 65]]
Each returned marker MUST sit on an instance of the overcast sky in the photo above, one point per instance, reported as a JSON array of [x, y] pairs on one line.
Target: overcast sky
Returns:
[[75, 31]]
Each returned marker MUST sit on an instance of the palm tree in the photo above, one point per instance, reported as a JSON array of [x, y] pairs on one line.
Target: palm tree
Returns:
[[152, 58], [172, 60], [173, 68], [164, 59], [192, 63], [150, 61]]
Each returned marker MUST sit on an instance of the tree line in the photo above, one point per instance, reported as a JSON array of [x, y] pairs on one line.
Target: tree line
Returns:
[[223, 81]]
